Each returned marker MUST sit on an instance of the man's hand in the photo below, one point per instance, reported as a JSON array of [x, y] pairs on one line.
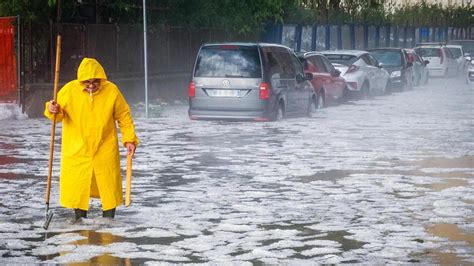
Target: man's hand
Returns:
[[53, 107], [130, 148]]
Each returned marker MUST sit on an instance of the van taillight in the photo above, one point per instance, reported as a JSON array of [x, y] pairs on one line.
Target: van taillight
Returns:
[[264, 90], [191, 89]]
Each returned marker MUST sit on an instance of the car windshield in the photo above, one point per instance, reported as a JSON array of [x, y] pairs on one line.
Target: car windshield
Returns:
[[455, 51], [388, 58], [228, 61], [429, 52], [343, 59]]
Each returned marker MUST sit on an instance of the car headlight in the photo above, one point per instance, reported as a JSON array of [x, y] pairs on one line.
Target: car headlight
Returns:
[[395, 74]]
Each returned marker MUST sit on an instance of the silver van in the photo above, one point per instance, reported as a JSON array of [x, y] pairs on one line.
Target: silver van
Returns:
[[249, 81]]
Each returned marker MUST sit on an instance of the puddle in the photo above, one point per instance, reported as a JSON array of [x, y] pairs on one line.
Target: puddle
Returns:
[[446, 258], [455, 172], [448, 183], [453, 233]]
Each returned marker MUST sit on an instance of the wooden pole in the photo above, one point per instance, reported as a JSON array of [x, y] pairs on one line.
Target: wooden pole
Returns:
[[53, 125], [128, 190]]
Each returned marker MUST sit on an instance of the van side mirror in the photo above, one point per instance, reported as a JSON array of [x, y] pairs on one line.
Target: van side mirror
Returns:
[[426, 62]]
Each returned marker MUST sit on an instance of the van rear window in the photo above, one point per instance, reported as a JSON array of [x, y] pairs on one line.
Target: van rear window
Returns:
[[226, 62]]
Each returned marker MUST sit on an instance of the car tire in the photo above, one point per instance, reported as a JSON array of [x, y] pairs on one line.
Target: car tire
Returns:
[[407, 85], [345, 95], [321, 101], [388, 88], [365, 90], [312, 107]]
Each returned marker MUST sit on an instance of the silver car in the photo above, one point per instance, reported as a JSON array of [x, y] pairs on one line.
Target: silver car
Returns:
[[249, 81], [458, 55], [363, 73], [442, 62]]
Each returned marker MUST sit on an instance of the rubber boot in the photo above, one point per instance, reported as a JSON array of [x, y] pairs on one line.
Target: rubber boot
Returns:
[[109, 213], [80, 214]]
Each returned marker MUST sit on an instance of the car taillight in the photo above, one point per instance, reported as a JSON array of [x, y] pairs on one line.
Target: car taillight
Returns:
[[191, 89], [353, 85], [264, 91], [352, 68]]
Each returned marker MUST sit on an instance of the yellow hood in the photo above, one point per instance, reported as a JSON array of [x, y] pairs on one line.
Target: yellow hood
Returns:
[[90, 69]]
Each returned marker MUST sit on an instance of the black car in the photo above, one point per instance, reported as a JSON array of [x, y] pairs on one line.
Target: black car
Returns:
[[396, 62]]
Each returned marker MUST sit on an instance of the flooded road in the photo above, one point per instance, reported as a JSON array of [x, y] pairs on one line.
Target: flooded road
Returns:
[[384, 180]]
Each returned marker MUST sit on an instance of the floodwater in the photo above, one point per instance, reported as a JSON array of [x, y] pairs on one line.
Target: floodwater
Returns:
[[384, 180]]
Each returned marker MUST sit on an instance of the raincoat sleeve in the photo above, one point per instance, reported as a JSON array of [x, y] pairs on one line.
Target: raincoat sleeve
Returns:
[[123, 116], [61, 102]]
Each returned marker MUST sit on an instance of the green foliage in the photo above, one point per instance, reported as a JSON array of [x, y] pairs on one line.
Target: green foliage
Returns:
[[246, 16], [432, 14], [381, 12], [243, 16], [35, 10]]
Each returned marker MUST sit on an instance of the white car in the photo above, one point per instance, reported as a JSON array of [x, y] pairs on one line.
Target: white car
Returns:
[[458, 54], [362, 72], [442, 62]]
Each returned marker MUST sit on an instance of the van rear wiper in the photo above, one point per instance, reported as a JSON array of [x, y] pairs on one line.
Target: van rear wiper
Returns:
[[233, 76]]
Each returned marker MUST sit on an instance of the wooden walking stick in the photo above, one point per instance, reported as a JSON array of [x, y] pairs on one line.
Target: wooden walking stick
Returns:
[[49, 215], [128, 190]]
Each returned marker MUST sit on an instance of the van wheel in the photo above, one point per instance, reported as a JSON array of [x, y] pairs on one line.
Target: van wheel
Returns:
[[279, 112], [312, 107]]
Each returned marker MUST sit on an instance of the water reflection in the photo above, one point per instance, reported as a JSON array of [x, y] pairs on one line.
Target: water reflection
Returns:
[[93, 238]]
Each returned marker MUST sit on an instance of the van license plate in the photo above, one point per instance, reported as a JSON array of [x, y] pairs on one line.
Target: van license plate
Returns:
[[224, 93]]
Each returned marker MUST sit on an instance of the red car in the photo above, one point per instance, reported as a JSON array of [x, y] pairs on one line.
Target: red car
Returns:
[[328, 85]]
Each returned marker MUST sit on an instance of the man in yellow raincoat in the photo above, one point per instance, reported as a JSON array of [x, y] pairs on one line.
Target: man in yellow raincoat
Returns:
[[89, 108]]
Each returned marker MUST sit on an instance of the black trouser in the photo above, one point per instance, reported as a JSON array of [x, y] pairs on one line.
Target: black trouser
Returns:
[[83, 213], [80, 214]]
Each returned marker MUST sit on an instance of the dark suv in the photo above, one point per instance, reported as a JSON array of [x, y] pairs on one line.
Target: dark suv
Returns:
[[396, 62], [249, 81]]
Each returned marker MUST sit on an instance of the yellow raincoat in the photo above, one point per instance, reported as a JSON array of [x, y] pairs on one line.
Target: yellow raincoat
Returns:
[[90, 161]]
